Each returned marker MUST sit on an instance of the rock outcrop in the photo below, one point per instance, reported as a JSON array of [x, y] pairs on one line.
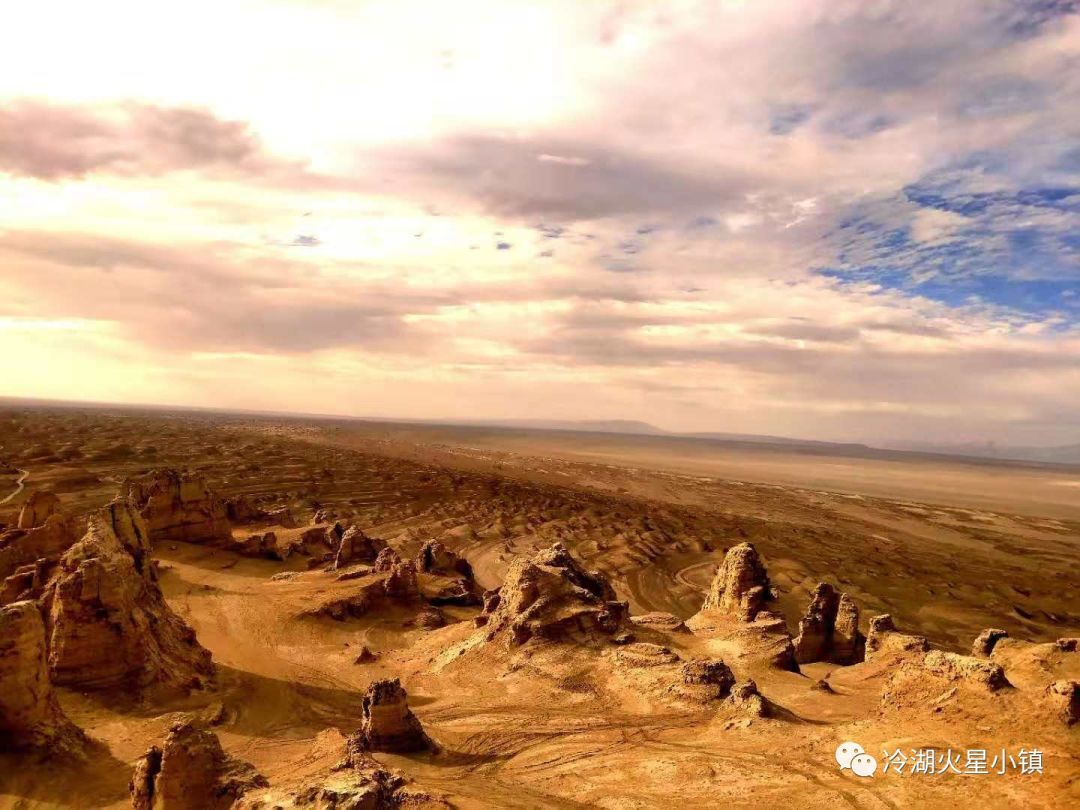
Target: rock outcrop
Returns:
[[430, 618], [936, 680], [1064, 697], [884, 640], [366, 656], [108, 623], [973, 671], [391, 581], [356, 547], [986, 641], [355, 781], [734, 611], [388, 723], [829, 630], [714, 675], [400, 583], [281, 516], [20, 547], [741, 586], [27, 582], [239, 509], [848, 642], [259, 544], [660, 621], [550, 596], [436, 558], [36, 509], [746, 699], [190, 771], [179, 507], [30, 717], [446, 577]]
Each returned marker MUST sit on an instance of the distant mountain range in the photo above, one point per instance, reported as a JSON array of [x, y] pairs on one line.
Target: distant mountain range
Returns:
[[1063, 454], [1059, 454]]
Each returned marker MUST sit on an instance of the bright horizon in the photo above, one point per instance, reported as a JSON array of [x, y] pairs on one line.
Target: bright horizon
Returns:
[[831, 220]]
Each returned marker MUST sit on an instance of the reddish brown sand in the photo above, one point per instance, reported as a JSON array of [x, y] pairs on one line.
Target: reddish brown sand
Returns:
[[947, 548]]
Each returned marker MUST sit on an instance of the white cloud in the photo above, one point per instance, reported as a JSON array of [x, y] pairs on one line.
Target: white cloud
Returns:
[[668, 178]]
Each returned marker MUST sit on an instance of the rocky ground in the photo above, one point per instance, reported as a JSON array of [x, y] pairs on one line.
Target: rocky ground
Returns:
[[202, 611]]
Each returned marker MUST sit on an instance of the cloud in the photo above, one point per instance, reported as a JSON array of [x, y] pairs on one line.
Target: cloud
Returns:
[[204, 297], [827, 217], [52, 142], [503, 175]]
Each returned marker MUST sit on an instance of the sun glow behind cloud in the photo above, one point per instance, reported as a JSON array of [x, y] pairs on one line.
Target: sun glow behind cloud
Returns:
[[834, 219]]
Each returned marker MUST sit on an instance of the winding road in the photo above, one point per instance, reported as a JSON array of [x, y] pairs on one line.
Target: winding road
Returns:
[[20, 485]]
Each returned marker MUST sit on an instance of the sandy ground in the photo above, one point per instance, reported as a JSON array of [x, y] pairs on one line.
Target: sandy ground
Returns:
[[947, 548]]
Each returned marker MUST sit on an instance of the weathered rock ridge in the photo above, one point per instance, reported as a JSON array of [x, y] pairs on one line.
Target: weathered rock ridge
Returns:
[[36, 509], [30, 716], [388, 723], [190, 771], [108, 623], [741, 586], [446, 578], [178, 507], [551, 596], [829, 630]]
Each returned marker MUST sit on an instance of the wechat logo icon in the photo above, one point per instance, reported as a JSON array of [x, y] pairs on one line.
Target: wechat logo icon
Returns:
[[851, 756]]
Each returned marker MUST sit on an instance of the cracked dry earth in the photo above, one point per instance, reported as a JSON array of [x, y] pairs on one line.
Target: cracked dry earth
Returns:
[[587, 631]]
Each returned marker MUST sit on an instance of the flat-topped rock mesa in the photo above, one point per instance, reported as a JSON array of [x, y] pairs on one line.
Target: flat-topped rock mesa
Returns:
[[178, 507], [829, 630], [108, 623], [446, 578], [314, 542], [30, 716], [388, 723], [935, 679], [1050, 671], [711, 676], [550, 596], [734, 612], [42, 532], [190, 771]]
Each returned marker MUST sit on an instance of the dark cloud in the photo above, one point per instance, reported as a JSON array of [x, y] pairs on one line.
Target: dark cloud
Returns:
[[207, 297], [51, 142], [507, 177]]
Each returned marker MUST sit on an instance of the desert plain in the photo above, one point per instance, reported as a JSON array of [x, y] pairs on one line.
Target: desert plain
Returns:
[[232, 610]]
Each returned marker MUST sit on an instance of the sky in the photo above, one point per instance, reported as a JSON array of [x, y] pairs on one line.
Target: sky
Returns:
[[817, 218]]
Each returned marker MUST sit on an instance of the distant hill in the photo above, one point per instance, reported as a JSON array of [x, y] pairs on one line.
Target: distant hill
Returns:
[[753, 438], [632, 427], [587, 425], [1060, 454]]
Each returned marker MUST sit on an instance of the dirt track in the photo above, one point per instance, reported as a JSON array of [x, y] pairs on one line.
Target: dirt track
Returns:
[[554, 729]]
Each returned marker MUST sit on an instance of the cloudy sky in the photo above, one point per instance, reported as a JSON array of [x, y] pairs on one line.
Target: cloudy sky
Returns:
[[821, 218]]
